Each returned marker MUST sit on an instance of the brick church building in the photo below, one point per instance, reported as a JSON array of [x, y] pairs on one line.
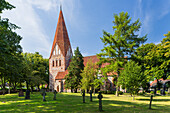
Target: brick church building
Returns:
[[61, 53]]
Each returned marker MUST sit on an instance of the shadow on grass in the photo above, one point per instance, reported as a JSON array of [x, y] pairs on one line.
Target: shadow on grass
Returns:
[[72, 103], [154, 99]]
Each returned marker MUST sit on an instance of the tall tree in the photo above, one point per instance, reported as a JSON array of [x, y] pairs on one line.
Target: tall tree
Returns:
[[158, 63], [73, 79], [140, 57], [122, 43], [9, 45]]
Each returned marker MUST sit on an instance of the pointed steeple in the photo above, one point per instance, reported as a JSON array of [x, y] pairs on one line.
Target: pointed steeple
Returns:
[[61, 36]]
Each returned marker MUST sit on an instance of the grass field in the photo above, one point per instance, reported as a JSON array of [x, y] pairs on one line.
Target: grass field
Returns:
[[71, 102]]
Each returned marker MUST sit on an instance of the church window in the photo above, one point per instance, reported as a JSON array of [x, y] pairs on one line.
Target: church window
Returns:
[[58, 51], [59, 62], [53, 63], [56, 62]]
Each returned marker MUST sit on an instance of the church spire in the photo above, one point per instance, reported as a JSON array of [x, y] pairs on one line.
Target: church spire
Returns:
[[60, 7], [61, 36]]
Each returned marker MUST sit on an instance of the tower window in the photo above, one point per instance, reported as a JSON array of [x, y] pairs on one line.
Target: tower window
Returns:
[[59, 62], [56, 62], [53, 63], [58, 51]]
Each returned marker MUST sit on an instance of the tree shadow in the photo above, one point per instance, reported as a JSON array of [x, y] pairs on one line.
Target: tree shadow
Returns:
[[154, 99], [65, 103]]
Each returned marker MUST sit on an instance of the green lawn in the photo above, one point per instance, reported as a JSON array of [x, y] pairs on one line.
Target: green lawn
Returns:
[[71, 102]]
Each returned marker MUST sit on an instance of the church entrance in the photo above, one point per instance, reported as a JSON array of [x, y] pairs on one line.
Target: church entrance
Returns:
[[62, 86], [57, 88]]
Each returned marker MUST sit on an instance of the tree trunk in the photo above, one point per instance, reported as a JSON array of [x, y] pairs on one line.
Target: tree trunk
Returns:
[[155, 87], [75, 91], [38, 87], [133, 97], [117, 86], [9, 87], [15, 84], [3, 85], [31, 89]]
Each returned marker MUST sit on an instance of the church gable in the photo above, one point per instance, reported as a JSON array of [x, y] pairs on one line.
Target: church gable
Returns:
[[56, 50], [61, 37]]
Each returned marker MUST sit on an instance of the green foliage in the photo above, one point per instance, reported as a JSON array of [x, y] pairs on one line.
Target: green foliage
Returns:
[[89, 74], [73, 79], [35, 69], [5, 5], [10, 57], [159, 91], [122, 43], [120, 92], [152, 92], [157, 60], [131, 77], [142, 93]]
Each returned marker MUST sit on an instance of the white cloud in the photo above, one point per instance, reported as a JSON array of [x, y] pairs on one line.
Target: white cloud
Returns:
[[32, 29], [156, 43], [147, 23], [45, 5], [24, 15]]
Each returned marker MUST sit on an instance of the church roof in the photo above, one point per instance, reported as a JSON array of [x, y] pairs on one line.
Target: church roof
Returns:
[[61, 75], [61, 36]]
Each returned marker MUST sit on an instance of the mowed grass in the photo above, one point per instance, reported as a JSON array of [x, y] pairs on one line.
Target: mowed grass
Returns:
[[72, 102]]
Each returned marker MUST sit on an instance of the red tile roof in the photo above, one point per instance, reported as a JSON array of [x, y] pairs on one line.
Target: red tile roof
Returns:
[[155, 81], [94, 59], [61, 75], [61, 36]]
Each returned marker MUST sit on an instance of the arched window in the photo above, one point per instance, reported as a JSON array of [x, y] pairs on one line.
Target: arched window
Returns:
[[56, 62], [58, 51], [59, 62], [53, 63]]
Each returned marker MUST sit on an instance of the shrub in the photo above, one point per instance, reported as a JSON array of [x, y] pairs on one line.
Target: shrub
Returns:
[[152, 92], [109, 92], [120, 92], [159, 91], [142, 93], [104, 92]]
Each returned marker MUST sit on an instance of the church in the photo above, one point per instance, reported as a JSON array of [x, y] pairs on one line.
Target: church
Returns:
[[60, 56]]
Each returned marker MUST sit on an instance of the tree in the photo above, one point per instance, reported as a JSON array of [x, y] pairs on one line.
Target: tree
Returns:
[[73, 79], [10, 47], [140, 57], [122, 43], [35, 72], [131, 77], [158, 63], [89, 74]]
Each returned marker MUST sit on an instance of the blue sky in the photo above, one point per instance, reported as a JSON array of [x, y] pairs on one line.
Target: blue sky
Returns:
[[85, 21]]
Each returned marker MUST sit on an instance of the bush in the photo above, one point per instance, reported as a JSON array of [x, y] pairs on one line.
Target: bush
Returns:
[[159, 91], [120, 92], [103, 92], [109, 92], [142, 93], [152, 92]]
